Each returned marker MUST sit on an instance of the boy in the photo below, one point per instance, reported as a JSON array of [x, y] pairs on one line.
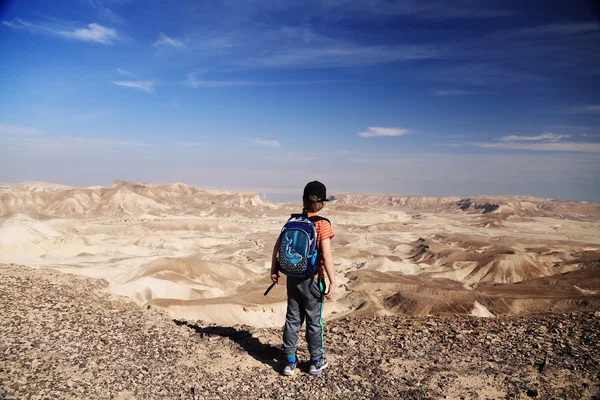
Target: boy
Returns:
[[305, 295]]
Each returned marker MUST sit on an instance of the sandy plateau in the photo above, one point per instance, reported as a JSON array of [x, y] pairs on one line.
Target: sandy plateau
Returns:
[[204, 255]]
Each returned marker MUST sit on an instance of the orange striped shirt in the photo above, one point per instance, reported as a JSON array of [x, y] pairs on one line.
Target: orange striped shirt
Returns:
[[324, 231]]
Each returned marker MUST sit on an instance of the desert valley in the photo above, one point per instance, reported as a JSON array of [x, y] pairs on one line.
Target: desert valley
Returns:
[[205, 255]]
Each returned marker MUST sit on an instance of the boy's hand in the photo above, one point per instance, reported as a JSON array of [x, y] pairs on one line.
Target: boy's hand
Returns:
[[275, 279], [331, 291]]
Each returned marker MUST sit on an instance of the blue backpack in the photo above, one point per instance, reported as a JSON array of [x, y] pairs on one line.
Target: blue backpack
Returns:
[[297, 253]]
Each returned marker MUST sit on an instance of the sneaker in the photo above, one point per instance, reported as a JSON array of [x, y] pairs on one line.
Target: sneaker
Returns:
[[317, 366], [290, 367]]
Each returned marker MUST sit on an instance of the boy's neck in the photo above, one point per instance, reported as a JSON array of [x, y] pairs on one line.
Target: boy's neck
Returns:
[[312, 214]]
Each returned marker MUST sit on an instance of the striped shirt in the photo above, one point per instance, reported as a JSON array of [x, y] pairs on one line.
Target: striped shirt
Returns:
[[324, 231]]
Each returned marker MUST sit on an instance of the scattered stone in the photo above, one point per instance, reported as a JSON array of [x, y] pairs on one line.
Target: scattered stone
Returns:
[[68, 337]]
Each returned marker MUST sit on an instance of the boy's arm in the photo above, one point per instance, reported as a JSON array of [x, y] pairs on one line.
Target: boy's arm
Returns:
[[274, 274], [329, 268]]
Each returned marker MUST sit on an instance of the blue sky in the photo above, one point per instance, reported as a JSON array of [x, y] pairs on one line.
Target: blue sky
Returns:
[[419, 98]]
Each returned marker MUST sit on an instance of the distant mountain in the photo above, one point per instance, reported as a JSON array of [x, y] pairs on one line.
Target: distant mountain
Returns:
[[122, 198], [524, 206]]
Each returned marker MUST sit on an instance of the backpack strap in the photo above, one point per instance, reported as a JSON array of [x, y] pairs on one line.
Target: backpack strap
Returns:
[[323, 286], [313, 219], [294, 216], [316, 218]]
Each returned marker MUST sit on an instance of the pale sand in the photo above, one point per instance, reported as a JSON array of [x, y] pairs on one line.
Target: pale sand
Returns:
[[206, 254]]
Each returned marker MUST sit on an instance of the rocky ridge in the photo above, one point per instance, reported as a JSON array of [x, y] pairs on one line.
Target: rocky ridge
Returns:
[[506, 206], [65, 336], [122, 199]]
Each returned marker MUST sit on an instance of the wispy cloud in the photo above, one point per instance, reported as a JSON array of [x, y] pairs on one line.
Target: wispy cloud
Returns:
[[582, 147], [542, 142], [254, 46], [191, 144], [147, 86], [194, 81], [124, 72], [338, 54], [551, 137], [375, 131], [96, 142], [378, 9], [479, 73], [17, 130], [560, 29], [32, 27], [93, 33], [166, 40], [267, 143], [443, 93], [587, 109], [70, 143], [104, 11]]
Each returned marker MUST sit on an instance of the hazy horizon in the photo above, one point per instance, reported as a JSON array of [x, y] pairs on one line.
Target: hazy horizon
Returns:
[[287, 195]]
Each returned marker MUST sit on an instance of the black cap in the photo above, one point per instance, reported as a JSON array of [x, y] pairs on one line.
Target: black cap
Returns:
[[316, 188]]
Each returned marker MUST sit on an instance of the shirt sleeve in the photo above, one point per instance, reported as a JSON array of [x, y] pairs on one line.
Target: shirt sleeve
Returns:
[[324, 230]]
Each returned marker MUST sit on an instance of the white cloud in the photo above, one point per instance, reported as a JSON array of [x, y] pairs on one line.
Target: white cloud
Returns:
[[93, 33], [267, 143], [147, 86], [165, 40], [17, 130], [581, 147], [374, 131], [552, 137]]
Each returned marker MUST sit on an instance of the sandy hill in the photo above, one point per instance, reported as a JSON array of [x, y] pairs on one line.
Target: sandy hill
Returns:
[[65, 336], [182, 278]]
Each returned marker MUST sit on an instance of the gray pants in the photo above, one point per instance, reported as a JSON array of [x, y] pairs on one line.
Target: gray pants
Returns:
[[305, 301]]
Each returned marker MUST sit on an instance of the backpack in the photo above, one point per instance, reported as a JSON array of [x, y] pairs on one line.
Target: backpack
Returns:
[[297, 253]]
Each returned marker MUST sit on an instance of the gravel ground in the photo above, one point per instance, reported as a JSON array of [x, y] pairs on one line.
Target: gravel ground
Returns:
[[67, 337]]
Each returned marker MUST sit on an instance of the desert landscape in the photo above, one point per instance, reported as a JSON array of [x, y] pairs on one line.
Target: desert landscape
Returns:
[[410, 270], [205, 255]]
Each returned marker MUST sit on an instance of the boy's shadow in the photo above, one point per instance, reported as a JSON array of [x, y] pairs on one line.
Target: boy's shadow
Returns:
[[265, 353]]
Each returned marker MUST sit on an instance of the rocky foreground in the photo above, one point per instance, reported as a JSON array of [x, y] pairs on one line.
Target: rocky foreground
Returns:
[[67, 337]]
